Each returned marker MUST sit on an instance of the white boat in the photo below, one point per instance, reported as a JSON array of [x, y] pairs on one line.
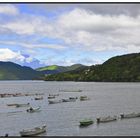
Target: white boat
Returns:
[[33, 132], [32, 110], [54, 101], [131, 115], [106, 119]]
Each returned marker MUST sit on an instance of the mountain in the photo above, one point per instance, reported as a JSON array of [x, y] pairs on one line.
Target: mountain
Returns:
[[33, 64], [54, 69], [125, 68], [12, 71]]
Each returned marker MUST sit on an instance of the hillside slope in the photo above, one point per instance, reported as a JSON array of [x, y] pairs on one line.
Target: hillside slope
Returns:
[[125, 68], [12, 71], [54, 69]]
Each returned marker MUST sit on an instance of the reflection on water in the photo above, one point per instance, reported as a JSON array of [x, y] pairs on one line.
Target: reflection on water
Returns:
[[62, 119]]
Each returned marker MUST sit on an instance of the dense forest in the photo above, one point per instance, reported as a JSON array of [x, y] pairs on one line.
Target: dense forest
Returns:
[[125, 68]]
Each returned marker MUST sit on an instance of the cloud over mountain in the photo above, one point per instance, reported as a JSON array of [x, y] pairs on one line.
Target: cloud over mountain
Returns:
[[22, 59]]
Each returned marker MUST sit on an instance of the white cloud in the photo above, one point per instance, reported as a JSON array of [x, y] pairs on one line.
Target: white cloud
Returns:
[[20, 27], [19, 58], [33, 45], [8, 10], [80, 19], [28, 25], [100, 32], [8, 55], [80, 28]]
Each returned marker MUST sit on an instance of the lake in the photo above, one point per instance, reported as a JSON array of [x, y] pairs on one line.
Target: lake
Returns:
[[62, 119]]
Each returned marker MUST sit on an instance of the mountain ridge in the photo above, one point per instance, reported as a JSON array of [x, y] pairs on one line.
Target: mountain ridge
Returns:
[[54, 69], [123, 68], [13, 71]]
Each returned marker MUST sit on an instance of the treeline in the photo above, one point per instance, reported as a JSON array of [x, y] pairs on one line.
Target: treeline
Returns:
[[125, 68]]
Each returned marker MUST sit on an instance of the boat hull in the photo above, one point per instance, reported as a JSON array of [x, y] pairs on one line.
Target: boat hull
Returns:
[[84, 98], [105, 120], [68, 100], [54, 102], [12, 104], [51, 97], [41, 98], [22, 105], [32, 132], [86, 123], [34, 110], [127, 116]]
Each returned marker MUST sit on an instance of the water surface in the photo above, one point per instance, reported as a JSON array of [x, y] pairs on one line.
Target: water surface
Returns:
[[63, 119]]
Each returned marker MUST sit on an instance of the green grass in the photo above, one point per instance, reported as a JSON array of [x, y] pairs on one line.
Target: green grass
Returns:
[[53, 67]]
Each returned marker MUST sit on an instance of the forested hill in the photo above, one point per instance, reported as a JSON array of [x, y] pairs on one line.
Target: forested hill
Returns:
[[54, 69], [125, 68], [12, 71]]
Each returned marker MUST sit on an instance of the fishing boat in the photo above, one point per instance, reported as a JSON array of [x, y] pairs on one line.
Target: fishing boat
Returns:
[[54, 101], [54, 95], [73, 98], [38, 98], [12, 104], [32, 110], [68, 100], [51, 97], [83, 98], [33, 132], [86, 122], [106, 119], [131, 115], [70, 90], [23, 105]]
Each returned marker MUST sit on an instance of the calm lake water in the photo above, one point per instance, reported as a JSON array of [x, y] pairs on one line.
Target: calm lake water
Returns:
[[63, 119]]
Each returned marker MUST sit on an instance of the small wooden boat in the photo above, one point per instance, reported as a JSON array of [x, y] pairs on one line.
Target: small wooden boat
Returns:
[[12, 104], [54, 95], [131, 115], [54, 101], [86, 122], [51, 97], [68, 100], [70, 90], [38, 98], [32, 110], [83, 98], [33, 132], [73, 98], [13, 112], [23, 105], [106, 119]]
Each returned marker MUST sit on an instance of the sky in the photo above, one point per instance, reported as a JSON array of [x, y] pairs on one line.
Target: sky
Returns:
[[39, 35]]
